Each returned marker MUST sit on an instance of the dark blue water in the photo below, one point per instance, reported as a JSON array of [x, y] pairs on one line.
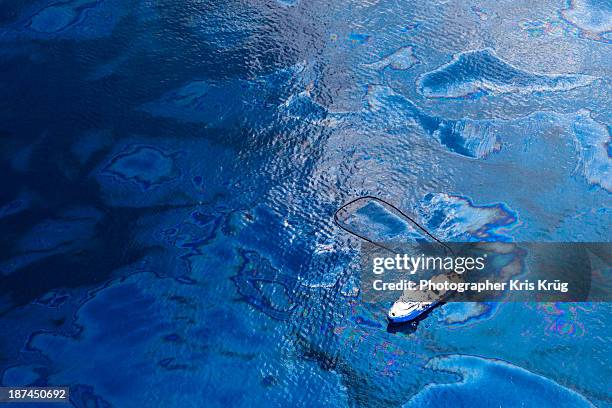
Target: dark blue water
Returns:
[[170, 171]]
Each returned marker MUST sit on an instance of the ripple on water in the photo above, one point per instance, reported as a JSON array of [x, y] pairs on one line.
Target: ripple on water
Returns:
[[223, 103], [402, 59]]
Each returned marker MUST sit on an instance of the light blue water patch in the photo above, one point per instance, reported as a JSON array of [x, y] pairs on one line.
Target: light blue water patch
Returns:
[[12, 207], [185, 233], [457, 218], [53, 19], [52, 299], [380, 223], [541, 343], [72, 231], [124, 319], [461, 313], [484, 383], [21, 203], [593, 141], [470, 138], [72, 19], [303, 108], [453, 217], [203, 101], [52, 233], [480, 138], [482, 71], [220, 104], [266, 288], [144, 172], [146, 166], [20, 376], [168, 329], [588, 224], [108, 68], [592, 17], [401, 59], [473, 138]]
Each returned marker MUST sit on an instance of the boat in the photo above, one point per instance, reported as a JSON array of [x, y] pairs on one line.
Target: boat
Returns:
[[404, 312], [381, 223]]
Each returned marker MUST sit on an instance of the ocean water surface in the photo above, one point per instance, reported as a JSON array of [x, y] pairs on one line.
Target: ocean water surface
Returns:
[[170, 172]]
